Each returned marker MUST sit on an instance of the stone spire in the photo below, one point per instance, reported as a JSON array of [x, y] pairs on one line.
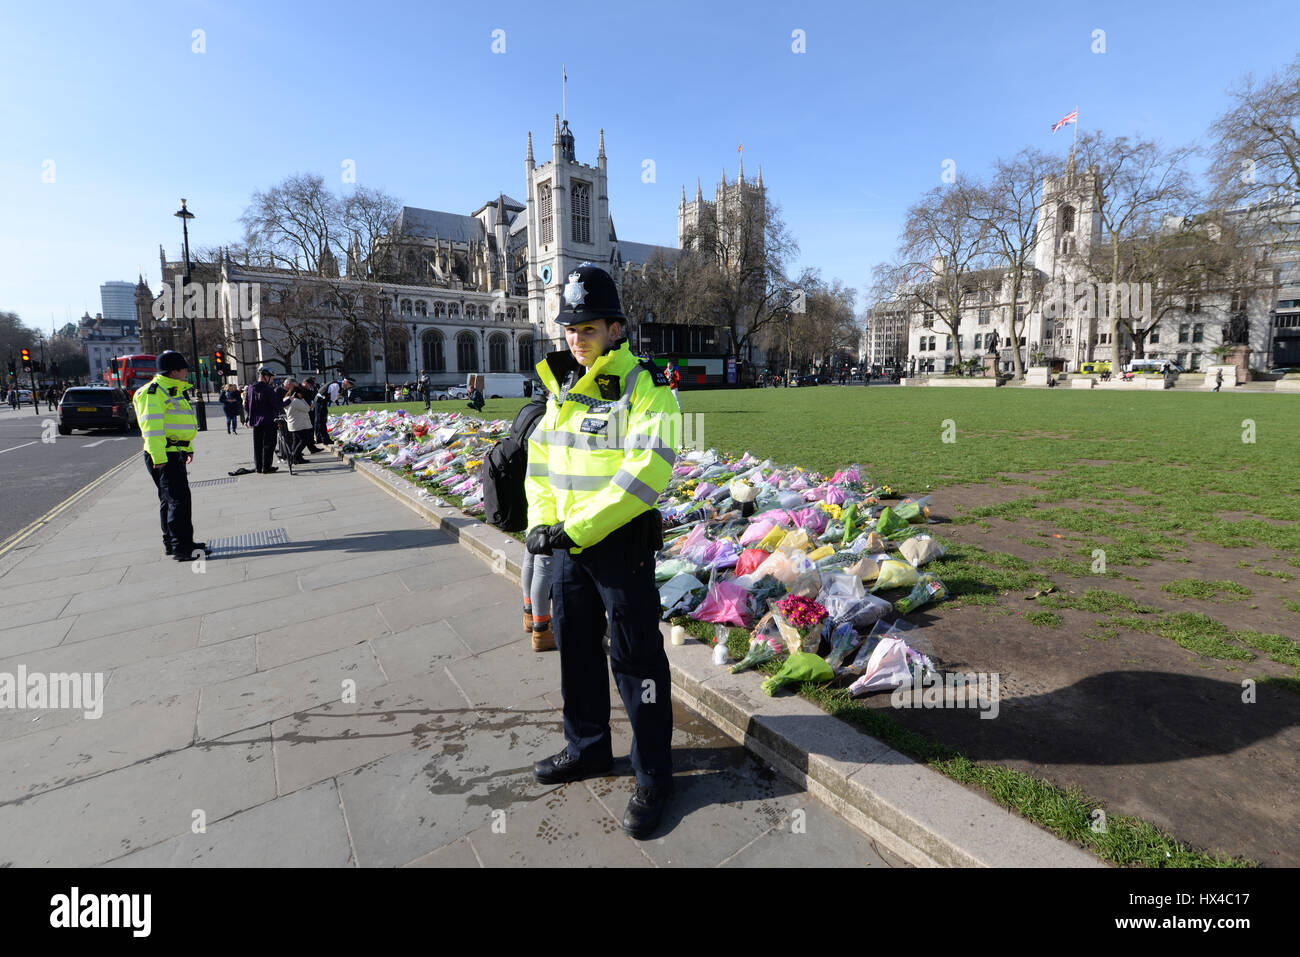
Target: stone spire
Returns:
[[683, 195], [724, 176], [699, 191], [742, 168], [529, 158], [557, 130], [601, 154], [760, 175]]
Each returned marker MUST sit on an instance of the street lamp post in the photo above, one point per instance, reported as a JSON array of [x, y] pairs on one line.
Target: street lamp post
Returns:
[[383, 335], [200, 407]]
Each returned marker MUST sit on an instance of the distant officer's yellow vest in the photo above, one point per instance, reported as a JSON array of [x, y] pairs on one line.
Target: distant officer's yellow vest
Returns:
[[165, 417], [604, 454]]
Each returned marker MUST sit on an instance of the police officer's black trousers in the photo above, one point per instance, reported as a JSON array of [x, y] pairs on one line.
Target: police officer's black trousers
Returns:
[[173, 501], [263, 447], [613, 575]]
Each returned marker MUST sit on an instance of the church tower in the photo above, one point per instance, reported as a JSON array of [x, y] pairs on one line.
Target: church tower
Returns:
[[1068, 222], [144, 315], [568, 222]]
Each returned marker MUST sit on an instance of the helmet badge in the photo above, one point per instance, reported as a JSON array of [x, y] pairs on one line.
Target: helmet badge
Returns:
[[574, 292]]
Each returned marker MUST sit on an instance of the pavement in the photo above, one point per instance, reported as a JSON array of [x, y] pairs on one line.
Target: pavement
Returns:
[[339, 684]]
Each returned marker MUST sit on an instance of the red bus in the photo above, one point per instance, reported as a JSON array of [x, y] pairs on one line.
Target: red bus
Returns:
[[131, 372]]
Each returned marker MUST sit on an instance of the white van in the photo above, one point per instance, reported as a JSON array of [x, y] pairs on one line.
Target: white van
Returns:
[[1153, 366], [497, 385]]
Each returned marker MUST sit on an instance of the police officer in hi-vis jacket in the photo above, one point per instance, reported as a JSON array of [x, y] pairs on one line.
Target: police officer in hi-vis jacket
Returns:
[[168, 427], [597, 462]]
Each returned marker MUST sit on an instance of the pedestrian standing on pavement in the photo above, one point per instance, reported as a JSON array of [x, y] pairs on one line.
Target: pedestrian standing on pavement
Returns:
[[13, 399], [51, 399], [297, 415], [232, 406], [597, 463], [320, 421], [261, 407], [1218, 380], [168, 427]]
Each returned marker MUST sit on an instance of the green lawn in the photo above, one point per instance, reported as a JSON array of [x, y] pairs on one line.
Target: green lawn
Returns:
[[1140, 474]]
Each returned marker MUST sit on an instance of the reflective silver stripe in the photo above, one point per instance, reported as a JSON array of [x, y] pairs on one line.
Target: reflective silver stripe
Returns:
[[574, 440], [630, 483], [536, 468], [654, 444], [629, 385], [152, 433], [578, 483], [151, 415]]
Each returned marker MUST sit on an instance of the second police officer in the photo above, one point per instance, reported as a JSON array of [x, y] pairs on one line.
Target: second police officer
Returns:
[[168, 428], [597, 462]]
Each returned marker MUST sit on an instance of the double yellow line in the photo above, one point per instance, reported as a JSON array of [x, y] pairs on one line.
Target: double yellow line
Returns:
[[18, 537]]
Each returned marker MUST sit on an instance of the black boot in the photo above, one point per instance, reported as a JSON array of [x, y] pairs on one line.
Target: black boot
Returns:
[[646, 809], [564, 767]]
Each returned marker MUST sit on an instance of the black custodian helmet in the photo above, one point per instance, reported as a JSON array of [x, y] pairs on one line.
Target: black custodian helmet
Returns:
[[169, 361], [589, 294]]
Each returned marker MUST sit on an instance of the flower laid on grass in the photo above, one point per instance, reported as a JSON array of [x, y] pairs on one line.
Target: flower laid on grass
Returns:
[[800, 666], [762, 648]]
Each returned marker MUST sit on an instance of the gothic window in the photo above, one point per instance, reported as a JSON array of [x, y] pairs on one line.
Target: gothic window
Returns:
[[356, 355], [548, 223], [1067, 219], [439, 310], [512, 314], [581, 213], [467, 352], [398, 351], [406, 307], [421, 309], [434, 359], [498, 352], [453, 310], [526, 352]]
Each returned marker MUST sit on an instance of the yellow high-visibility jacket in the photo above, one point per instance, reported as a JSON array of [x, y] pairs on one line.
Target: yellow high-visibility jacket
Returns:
[[603, 452], [166, 419]]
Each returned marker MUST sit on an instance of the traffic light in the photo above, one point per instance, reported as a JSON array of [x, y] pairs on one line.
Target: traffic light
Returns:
[[27, 360]]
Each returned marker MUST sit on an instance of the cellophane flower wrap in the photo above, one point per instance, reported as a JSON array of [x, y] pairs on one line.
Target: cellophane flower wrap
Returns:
[[800, 619], [762, 648], [800, 666]]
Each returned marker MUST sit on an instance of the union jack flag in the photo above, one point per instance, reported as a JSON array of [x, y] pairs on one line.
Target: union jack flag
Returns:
[[1071, 117]]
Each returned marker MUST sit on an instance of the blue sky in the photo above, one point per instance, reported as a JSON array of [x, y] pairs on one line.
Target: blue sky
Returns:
[[849, 133]]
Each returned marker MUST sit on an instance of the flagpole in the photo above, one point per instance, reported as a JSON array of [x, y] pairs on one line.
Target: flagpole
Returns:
[[1075, 142], [564, 89]]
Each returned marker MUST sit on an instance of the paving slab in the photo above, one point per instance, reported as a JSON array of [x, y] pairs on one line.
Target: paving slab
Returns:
[[414, 714], [303, 829], [90, 822], [421, 650], [266, 695], [88, 747]]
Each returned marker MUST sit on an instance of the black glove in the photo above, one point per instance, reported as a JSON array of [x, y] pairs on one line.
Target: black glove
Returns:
[[557, 537], [538, 541]]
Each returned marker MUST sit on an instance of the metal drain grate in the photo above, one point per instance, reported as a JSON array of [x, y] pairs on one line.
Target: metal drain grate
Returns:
[[249, 542], [210, 482]]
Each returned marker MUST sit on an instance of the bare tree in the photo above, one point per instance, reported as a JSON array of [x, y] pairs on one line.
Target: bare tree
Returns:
[[1007, 212], [289, 225], [1138, 185], [1255, 159], [735, 267], [943, 256], [366, 218]]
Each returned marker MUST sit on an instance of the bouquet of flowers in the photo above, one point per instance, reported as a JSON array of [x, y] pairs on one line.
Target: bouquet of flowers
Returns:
[[800, 666], [928, 588], [800, 620], [762, 648]]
